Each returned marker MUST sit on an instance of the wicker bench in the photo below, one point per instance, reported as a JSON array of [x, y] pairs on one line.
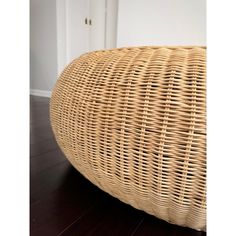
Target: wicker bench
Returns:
[[133, 122]]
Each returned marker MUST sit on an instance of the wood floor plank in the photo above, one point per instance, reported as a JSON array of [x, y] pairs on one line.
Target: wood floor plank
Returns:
[[108, 217], [44, 161], [40, 119], [45, 182], [53, 214], [43, 132], [151, 225], [43, 146]]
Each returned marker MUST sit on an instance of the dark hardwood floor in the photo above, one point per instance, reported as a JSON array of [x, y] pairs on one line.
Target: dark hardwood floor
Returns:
[[63, 202]]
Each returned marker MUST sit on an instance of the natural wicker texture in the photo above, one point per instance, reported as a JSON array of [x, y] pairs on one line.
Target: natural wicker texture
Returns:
[[133, 121]]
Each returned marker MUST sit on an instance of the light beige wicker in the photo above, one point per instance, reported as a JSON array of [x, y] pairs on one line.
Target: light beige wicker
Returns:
[[133, 121]]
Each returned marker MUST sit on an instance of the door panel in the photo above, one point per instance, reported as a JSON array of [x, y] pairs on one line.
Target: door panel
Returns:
[[77, 31], [97, 29]]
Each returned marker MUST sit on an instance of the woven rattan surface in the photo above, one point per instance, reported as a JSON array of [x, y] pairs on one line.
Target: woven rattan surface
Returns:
[[133, 121]]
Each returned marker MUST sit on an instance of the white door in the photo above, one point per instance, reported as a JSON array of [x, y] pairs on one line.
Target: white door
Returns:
[[97, 28], [77, 28]]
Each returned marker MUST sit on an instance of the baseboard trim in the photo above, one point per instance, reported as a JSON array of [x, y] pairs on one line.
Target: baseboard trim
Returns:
[[41, 93]]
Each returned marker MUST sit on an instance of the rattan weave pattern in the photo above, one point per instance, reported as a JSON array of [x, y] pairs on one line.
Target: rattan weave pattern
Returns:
[[133, 121]]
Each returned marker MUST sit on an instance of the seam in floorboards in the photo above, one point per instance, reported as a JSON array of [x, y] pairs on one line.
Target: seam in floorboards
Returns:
[[77, 219], [43, 153], [50, 167], [45, 169], [37, 201], [137, 227]]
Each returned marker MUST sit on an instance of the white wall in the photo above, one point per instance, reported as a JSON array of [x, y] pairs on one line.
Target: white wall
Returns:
[[161, 22], [43, 44], [62, 54]]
